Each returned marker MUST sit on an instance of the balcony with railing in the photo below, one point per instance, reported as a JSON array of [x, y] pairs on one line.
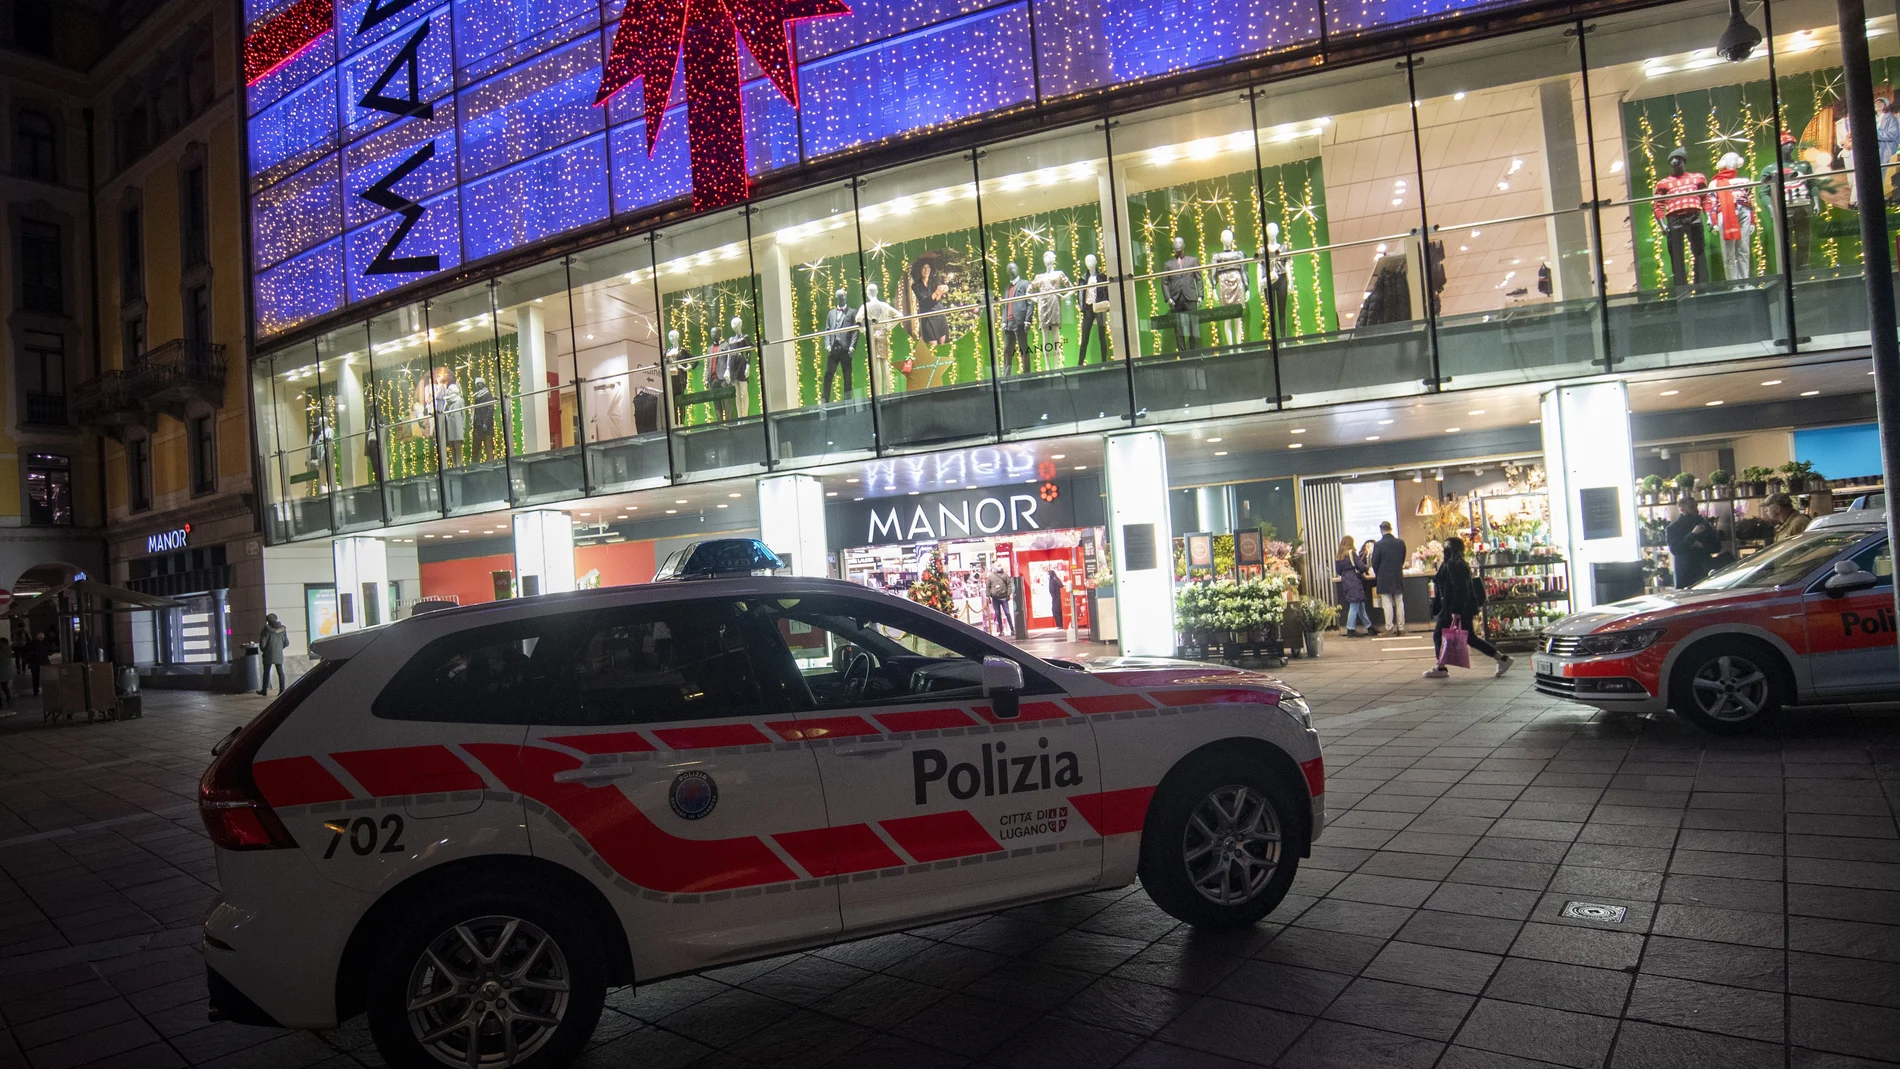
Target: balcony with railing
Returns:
[[46, 409], [109, 404], [179, 373]]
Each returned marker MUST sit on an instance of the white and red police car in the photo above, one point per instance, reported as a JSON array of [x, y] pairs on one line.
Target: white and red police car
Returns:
[[470, 823], [1808, 620]]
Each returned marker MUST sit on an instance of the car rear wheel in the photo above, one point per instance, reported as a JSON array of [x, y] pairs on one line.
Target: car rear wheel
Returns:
[[1727, 687], [1222, 843], [504, 977]]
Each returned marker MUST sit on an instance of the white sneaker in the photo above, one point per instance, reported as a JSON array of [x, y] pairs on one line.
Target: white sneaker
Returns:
[[1504, 665], [1437, 672]]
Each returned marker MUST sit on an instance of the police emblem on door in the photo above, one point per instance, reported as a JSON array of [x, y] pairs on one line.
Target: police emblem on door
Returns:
[[694, 795]]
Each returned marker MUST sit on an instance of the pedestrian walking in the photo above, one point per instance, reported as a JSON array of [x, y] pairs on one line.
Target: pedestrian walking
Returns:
[[1456, 598], [271, 641]]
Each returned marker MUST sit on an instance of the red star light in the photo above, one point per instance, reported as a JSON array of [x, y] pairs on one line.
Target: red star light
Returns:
[[655, 36]]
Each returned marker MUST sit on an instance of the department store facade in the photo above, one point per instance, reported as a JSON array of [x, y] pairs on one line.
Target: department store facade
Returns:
[[984, 236]]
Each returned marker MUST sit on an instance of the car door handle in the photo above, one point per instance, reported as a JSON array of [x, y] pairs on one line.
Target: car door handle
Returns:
[[869, 749], [594, 774]]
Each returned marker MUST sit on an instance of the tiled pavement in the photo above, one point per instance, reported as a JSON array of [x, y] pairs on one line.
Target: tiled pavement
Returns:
[[1761, 880]]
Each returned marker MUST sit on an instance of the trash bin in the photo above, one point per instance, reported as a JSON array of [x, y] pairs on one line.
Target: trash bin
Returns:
[[127, 679], [251, 667]]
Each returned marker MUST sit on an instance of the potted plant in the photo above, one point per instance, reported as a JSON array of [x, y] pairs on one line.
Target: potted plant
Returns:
[[1652, 489], [1319, 620], [1685, 484], [1719, 483]]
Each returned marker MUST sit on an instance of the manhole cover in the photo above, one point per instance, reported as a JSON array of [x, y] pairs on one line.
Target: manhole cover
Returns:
[[1595, 911]]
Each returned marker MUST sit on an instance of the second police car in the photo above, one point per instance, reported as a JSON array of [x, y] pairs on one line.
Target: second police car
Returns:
[[1803, 621], [470, 823]]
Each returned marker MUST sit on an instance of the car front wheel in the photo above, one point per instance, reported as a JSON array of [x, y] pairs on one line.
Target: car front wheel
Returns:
[[1727, 687], [1222, 843], [501, 977]]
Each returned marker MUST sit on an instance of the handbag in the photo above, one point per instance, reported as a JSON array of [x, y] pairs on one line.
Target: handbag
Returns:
[[1455, 645], [1100, 306]]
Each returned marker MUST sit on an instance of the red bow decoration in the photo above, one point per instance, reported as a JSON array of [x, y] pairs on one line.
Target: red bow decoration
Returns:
[[655, 36]]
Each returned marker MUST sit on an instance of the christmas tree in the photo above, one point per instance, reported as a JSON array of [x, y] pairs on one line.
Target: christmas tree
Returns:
[[933, 587]]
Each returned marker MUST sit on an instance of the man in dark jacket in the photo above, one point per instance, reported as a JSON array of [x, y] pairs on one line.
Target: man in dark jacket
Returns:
[[1693, 543], [271, 642], [1388, 576]]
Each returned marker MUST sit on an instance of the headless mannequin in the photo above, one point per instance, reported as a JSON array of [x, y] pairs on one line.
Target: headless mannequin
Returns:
[[1183, 288], [677, 374], [1050, 286], [737, 367], [1273, 277], [1094, 308], [841, 340], [1018, 310], [1230, 285], [877, 315], [1796, 199], [1680, 214], [1733, 213]]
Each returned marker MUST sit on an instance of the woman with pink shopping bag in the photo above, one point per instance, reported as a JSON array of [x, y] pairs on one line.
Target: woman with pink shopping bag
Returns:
[[1456, 599]]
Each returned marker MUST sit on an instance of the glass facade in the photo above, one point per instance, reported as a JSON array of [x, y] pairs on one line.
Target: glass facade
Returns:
[[1489, 213]]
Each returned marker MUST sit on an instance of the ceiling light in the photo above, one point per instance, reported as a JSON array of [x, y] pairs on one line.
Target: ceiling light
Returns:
[[1297, 445], [1372, 437], [1058, 456], [1475, 412], [1810, 393], [462, 532], [1081, 467], [831, 493], [1220, 452], [1710, 404], [1453, 430], [1670, 393], [672, 512], [721, 505], [1385, 423], [680, 501], [1298, 430], [1459, 95], [1213, 441], [1418, 476], [735, 493], [914, 493], [950, 482], [445, 537], [850, 480], [1772, 382]]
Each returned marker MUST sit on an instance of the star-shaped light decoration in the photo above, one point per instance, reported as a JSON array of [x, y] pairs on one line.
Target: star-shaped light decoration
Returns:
[[657, 36], [1719, 138]]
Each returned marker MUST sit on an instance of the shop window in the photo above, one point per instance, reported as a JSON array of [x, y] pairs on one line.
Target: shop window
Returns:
[[196, 221], [533, 359], [708, 301], [618, 346], [138, 472], [49, 490], [43, 377], [35, 144], [131, 254], [399, 410], [202, 432], [42, 268], [466, 362], [340, 453]]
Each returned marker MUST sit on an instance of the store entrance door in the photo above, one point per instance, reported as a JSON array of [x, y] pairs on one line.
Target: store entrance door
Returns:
[[1034, 565]]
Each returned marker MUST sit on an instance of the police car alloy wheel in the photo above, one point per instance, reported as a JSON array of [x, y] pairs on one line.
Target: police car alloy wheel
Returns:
[[1231, 845], [1221, 840], [1728, 686]]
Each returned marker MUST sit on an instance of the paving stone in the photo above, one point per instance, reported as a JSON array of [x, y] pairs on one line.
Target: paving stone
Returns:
[[1492, 935], [1539, 1033], [1561, 986], [1843, 1027], [1337, 1045], [1641, 1045], [1578, 946], [1716, 963], [1719, 925], [1283, 987], [1415, 1011], [1691, 1004], [1236, 1030]]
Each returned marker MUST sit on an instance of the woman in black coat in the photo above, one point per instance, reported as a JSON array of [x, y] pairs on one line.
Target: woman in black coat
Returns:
[[1456, 593]]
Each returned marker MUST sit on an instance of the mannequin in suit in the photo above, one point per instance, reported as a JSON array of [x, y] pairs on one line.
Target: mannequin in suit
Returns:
[[1018, 309], [841, 341], [1183, 288]]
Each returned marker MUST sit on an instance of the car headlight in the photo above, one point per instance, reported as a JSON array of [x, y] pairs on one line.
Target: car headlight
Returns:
[[1296, 707], [1619, 641]]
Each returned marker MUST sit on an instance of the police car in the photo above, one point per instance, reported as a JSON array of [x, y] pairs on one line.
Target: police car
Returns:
[[1803, 621], [470, 823]]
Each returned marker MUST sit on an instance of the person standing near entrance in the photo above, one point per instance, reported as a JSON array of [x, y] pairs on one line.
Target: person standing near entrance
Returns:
[[1350, 568], [39, 652], [272, 641], [1789, 520], [998, 590], [1388, 576], [1055, 597], [1692, 543]]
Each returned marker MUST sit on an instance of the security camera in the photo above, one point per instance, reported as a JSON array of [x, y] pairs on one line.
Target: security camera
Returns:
[[1739, 37]]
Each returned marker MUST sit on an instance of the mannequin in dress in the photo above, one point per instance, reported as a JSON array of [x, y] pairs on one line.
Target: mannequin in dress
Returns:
[[1017, 312], [1679, 211], [1273, 277], [677, 373], [738, 364], [1230, 285], [453, 416], [1733, 213], [841, 340], [1094, 308], [1051, 288], [877, 316], [1183, 288]]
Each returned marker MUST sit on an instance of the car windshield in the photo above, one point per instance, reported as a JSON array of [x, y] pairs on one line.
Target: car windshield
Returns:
[[1784, 562]]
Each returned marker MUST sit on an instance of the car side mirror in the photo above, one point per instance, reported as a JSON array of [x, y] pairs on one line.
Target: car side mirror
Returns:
[[1848, 577], [1003, 686]]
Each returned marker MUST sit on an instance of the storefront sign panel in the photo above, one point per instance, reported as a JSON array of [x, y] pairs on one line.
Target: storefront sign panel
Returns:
[[1011, 510]]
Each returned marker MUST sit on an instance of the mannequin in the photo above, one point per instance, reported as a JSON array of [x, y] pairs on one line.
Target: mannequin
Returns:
[[1273, 278], [1017, 311], [1886, 129], [1679, 211], [930, 290], [877, 316], [677, 374], [1094, 308], [608, 409], [841, 340], [1733, 213], [1051, 288], [736, 366], [449, 409], [1230, 284], [322, 448], [1183, 287], [1796, 199], [483, 420]]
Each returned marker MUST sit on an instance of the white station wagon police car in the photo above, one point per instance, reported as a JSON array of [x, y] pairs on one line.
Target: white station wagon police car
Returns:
[[469, 824]]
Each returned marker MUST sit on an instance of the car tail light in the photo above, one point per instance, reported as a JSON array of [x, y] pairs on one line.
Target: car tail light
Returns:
[[234, 812]]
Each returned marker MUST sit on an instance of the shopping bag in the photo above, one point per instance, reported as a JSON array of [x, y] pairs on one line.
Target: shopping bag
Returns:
[[1455, 646]]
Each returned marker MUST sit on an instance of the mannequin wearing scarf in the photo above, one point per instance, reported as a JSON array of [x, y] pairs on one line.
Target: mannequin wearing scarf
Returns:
[[1733, 215]]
